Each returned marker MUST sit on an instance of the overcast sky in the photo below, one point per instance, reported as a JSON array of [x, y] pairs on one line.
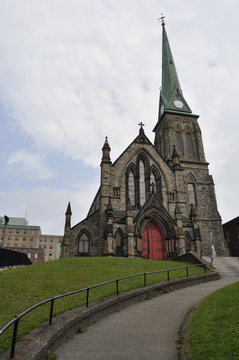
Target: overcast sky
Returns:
[[75, 71]]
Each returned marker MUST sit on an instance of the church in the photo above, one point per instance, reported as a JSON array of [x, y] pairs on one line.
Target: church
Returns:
[[157, 200]]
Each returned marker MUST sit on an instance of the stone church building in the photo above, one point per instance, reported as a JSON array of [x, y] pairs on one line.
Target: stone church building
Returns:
[[155, 201]]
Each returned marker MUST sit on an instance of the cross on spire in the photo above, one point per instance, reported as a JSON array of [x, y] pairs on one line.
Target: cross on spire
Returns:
[[162, 19], [141, 125]]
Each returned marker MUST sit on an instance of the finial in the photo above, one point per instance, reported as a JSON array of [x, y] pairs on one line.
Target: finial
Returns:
[[162, 19], [68, 210], [141, 125], [106, 143]]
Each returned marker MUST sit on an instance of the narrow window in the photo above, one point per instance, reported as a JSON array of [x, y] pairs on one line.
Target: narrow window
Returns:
[[116, 191], [152, 182], [189, 144], [179, 142], [131, 188], [142, 193], [83, 244], [191, 194]]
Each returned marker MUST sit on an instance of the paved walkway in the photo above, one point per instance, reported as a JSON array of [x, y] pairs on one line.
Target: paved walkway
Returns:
[[147, 330]]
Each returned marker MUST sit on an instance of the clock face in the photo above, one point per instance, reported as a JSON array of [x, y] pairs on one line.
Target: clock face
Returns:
[[178, 104]]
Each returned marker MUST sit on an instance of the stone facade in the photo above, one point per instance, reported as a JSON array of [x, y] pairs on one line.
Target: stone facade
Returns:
[[156, 200]]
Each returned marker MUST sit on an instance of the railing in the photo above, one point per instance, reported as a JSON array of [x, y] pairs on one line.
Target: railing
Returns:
[[16, 319], [206, 254], [201, 253]]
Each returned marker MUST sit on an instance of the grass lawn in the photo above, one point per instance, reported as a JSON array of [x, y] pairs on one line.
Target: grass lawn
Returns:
[[214, 329], [25, 286]]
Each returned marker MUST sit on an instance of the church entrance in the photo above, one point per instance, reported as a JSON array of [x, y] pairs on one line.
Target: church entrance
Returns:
[[152, 242]]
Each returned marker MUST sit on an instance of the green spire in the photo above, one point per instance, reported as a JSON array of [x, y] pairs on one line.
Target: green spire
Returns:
[[171, 96]]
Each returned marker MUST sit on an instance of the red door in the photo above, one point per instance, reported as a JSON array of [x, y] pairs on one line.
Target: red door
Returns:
[[152, 242]]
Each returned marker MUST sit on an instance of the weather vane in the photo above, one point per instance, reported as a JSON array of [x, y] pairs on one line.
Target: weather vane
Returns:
[[141, 125], [162, 19]]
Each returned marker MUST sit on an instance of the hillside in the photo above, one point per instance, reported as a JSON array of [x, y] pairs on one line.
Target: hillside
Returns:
[[24, 286]]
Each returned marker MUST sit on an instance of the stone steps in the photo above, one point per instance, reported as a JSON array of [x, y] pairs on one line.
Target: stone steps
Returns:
[[227, 266]]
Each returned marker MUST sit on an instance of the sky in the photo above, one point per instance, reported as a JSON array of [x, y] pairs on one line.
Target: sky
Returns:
[[74, 71]]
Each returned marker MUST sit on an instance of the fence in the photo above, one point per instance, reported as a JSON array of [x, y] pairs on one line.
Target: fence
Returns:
[[16, 319]]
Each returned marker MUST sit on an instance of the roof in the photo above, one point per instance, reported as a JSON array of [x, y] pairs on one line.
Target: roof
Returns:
[[14, 221], [171, 95], [27, 227]]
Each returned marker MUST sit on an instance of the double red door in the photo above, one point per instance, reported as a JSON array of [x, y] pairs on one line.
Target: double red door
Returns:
[[152, 242]]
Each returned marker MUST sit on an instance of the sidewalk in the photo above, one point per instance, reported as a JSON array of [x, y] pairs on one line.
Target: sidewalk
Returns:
[[147, 330]]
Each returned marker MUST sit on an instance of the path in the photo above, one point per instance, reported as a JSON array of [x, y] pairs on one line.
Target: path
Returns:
[[147, 330]]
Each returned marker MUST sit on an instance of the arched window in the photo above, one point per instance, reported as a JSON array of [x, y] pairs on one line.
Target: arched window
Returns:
[[191, 194], [131, 188], [84, 244], [179, 142], [189, 143], [142, 188]]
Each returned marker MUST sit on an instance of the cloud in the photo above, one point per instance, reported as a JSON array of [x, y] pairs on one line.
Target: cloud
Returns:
[[31, 164], [74, 71], [46, 206]]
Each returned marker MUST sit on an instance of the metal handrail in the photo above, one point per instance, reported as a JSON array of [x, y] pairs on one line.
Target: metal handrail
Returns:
[[202, 251], [16, 319]]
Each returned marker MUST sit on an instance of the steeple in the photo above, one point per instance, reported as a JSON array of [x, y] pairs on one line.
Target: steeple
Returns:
[[106, 153], [68, 210], [171, 96]]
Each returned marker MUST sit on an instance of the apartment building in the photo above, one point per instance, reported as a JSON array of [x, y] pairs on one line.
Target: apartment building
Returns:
[[18, 235]]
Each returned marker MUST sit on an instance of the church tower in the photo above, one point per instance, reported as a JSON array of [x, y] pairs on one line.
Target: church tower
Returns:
[[155, 201], [178, 130], [176, 125]]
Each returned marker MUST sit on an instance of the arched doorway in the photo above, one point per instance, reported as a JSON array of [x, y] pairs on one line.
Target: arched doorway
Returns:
[[152, 241]]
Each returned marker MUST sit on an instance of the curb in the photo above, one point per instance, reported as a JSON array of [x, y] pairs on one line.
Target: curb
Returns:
[[45, 338], [183, 352]]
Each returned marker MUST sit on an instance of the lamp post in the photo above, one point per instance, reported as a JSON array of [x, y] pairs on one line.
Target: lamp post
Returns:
[[6, 219]]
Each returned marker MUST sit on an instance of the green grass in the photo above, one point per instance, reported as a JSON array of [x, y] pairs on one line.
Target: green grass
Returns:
[[25, 286], [214, 329]]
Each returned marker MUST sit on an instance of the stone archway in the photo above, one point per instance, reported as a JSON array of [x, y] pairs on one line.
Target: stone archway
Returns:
[[153, 241]]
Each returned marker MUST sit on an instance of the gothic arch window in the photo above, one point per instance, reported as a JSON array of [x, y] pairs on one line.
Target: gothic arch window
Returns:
[[130, 184], [189, 141], [142, 187], [191, 194], [131, 187], [83, 243], [139, 179], [191, 190], [179, 140], [143, 179]]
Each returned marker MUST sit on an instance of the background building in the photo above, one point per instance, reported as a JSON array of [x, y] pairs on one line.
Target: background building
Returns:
[[231, 233], [51, 246], [18, 235]]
